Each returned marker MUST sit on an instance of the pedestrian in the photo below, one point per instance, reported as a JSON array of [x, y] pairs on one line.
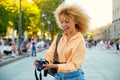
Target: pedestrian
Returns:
[[101, 43], [7, 49], [33, 49], [14, 50], [71, 47], [95, 43], [118, 45], [107, 44], [25, 46], [40, 45]]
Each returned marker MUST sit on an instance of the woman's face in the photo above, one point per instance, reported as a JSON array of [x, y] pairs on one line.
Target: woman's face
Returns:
[[67, 23]]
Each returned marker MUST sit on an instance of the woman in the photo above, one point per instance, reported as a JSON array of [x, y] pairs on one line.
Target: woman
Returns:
[[71, 47]]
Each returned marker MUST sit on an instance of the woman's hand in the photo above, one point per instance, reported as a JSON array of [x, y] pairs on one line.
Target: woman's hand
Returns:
[[36, 63], [48, 66]]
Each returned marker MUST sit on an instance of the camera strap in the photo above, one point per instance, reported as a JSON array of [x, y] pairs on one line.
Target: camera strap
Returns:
[[55, 52], [40, 75], [54, 58]]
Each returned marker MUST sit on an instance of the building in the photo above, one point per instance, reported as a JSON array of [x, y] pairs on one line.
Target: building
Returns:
[[116, 19], [110, 31], [104, 32]]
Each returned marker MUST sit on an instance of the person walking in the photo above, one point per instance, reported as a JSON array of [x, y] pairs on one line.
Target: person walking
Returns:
[[71, 47], [118, 45], [33, 49]]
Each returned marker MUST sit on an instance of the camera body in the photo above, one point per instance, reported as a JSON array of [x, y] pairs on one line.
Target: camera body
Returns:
[[41, 62]]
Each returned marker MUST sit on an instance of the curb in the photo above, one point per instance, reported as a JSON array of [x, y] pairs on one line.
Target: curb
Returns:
[[11, 60]]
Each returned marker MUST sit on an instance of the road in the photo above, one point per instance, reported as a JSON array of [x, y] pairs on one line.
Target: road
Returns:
[[21, 70], [99, 64], [102, 64]]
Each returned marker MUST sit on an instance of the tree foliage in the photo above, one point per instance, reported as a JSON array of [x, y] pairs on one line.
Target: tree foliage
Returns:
[[31, 15], [48, 7], [8, 12]]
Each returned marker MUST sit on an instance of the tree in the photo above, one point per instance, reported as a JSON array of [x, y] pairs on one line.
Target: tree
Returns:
[[31, 18], [31, 15], [3, 21], [7, 15], [48, 7]]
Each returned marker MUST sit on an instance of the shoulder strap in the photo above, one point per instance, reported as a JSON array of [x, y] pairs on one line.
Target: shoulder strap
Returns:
[[55, 52]]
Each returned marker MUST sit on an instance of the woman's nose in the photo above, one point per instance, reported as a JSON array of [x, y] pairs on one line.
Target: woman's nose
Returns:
[[63, 24]]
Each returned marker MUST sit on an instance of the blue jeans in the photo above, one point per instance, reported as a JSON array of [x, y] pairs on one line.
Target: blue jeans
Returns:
[[75, 75], [34, 53]]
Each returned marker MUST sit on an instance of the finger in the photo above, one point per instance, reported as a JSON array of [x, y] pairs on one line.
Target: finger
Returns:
[[44, 64], [45, 68], [36, 64]]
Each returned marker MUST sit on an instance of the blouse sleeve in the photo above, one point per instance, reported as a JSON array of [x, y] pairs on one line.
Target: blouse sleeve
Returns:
[[50, 52]]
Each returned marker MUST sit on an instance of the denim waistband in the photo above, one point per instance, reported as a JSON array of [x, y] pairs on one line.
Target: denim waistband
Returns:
[[70, 74]]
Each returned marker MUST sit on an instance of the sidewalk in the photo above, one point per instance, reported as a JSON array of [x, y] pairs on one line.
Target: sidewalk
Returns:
[[10, 59], [112, 49], [101, 64]]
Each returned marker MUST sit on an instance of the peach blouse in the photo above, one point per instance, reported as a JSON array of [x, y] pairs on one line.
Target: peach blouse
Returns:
[[72, 52]]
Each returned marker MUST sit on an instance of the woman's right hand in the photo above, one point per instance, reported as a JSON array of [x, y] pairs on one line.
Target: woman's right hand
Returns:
[[36, 63]]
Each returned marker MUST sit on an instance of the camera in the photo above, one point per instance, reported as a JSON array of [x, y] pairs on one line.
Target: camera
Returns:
[[41, 62], [41, 67]]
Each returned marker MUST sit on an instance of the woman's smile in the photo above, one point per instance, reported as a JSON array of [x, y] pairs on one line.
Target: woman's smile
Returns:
[[66, 28]]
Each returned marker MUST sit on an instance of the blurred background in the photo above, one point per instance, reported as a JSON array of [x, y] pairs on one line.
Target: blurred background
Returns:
[[23, 22]]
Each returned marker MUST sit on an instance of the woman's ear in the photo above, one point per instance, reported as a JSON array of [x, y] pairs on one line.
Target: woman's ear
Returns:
[[77, 26]]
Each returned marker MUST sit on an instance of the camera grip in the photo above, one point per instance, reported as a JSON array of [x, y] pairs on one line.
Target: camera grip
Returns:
[[45, 72]]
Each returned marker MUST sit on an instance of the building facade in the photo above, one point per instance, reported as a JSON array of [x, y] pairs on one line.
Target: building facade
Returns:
[[116, 19], [110, 31], [104, 32]]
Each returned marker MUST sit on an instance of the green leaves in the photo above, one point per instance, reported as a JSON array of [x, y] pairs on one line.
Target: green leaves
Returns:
[[31, 16]]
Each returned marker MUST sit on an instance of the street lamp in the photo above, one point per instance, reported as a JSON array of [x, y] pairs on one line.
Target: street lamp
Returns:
[[20, 28], [43, 29]]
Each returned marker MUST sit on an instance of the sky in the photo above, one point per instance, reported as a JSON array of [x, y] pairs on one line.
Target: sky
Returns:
[[99, 11]]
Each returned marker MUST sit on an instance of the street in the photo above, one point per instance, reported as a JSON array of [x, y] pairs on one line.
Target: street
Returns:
[[21, 70], [99, 64], [102, 64]]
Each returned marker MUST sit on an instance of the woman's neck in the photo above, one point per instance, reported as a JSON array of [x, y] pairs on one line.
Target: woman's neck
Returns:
[[70, 35]]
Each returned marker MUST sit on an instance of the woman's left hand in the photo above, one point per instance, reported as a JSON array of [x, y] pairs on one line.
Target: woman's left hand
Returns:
[[48, 66]]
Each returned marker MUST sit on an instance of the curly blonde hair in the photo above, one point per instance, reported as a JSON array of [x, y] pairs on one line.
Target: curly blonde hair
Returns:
[[76, 13]]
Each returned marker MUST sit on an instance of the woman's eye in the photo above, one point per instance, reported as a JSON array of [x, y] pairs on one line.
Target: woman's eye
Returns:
[[66, 21], [61, 22]]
